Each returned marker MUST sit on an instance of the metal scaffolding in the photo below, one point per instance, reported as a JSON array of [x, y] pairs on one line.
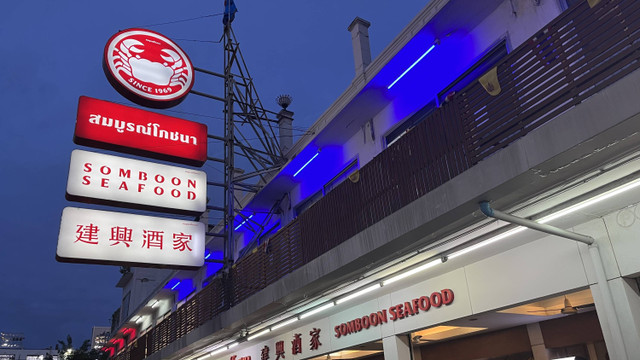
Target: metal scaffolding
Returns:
[[248, 133]]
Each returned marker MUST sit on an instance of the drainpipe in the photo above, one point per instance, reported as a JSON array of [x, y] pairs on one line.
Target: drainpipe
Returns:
[[618, 351]]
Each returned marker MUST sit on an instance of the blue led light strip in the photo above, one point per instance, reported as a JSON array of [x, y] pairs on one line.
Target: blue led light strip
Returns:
[[411, 67], [242, 223], [176, 285], [307, 163]]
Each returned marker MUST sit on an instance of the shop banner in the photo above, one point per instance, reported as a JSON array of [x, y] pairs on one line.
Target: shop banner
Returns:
[[114, 180], [116, 127], [112, 238]]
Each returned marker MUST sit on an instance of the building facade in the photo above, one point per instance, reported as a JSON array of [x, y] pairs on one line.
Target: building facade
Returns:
[[100, 336], [390, 238]]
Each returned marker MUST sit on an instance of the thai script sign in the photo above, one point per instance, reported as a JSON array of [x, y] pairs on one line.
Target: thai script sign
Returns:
[[104, 237], [117, 127], [113, 180], [147, 68]]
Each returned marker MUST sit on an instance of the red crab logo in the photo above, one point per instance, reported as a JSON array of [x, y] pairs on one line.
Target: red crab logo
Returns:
[[147, 68]]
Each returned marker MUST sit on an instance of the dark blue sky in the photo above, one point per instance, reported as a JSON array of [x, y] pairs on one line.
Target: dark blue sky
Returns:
[[52, 55]]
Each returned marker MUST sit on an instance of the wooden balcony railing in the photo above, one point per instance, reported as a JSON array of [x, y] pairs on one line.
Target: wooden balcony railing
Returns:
[[578, 54]]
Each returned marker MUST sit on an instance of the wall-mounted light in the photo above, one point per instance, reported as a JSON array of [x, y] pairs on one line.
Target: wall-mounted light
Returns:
[[263, 332], [176, 285], [412, 65], [406, 273], [242, 223], [358, 293], [218, 351], [317, 310], [284, 323], [307, 163]]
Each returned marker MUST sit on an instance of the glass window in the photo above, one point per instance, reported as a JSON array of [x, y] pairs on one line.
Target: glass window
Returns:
[[342, 175], [300, 208], [487, 61], [125, 306], [410, 123], [565, 4]]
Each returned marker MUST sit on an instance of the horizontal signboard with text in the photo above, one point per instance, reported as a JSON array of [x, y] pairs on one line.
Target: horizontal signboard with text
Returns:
[[114, 180], [105, 237], [110, 126]]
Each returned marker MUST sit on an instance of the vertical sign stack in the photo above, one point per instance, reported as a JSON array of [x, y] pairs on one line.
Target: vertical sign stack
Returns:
[[148, 69]]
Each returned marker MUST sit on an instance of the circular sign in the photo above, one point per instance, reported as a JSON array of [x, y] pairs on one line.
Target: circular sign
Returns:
[[147, 68]]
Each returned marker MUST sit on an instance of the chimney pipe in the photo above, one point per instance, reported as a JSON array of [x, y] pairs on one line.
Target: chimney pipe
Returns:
[[285, 127], [359, 29]]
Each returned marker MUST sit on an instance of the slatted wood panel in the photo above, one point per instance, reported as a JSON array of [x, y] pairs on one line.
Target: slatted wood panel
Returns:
[[206, 304], [269, 262], [576, 55], [138, 348]]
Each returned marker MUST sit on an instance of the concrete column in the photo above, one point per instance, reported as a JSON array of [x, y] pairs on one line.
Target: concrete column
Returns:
[[397, 347], [285, 129], [538, 348], [359, 29], [626, 299]]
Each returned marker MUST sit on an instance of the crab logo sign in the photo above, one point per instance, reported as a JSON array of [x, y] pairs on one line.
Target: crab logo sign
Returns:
[[147, 68]]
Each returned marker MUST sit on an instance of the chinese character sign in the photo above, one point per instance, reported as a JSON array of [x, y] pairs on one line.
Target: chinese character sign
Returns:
[[94, 236]]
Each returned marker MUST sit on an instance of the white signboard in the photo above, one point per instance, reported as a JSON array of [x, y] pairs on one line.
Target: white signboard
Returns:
[[126, 182], [105, 237]]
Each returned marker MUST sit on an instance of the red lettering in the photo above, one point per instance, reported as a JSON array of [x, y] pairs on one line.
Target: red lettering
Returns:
[[365, 322], [105, 170], [351, 327], [191, 195], [382, 316], [394, 316], [414, 302], [175, 181], [142, 175], [105, 183], [424, 303], [159, 179], [337, 330], [436, 299], [343, 329], [158, 190], [125, 173], [408, 310], [86, 180], [400, 311], [447, 296], [123, 186], [358, 324], [175, 193], [87, 167], [140, 187], [373, 319], [191, 183]]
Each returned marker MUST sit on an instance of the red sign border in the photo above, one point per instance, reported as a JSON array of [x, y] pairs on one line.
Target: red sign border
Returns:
[[140, 99]]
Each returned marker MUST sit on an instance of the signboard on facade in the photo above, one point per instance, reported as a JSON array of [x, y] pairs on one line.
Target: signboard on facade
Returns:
[[105, 237], [114, 180], [147, 68], [106, 125]]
